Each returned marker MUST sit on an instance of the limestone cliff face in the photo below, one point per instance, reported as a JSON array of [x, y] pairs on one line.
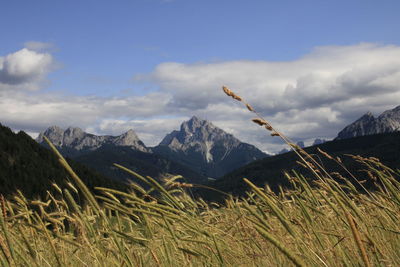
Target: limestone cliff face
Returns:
[[207, 148], [388, 121], [77, 139]]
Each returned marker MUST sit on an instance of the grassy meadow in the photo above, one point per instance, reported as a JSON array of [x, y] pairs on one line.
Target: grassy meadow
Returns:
[[321, 220]]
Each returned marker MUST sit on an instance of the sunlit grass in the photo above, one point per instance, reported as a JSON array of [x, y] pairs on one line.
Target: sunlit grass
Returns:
[[322, 223], [317, 222]]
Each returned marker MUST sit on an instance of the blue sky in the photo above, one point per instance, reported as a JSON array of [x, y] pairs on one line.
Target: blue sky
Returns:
[[127, 50]]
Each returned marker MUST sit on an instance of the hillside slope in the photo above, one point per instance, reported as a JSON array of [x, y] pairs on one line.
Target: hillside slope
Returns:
[[28, 166], [270, 170], [145, 164]]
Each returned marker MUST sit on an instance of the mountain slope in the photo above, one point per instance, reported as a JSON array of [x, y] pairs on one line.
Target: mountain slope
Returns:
[[28, 166], [145, 164], [387, 122], [206, 148], [270, 170]]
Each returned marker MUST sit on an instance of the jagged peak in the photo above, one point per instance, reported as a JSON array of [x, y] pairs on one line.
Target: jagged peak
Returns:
[[130, 132], [78, 139], [368, 114], [390, 112], [195, 118], [54, 128], [194, 123], [71, 129], [397, 108], [388, 121]]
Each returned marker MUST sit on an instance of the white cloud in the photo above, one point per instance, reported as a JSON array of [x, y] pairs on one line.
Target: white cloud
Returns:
[[24, 69], [313, 96]]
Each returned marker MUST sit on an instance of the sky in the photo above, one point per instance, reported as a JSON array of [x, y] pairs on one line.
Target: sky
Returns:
[[309, 67]]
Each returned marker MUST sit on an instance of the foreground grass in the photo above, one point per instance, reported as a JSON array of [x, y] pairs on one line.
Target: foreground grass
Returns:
[[318, 223]]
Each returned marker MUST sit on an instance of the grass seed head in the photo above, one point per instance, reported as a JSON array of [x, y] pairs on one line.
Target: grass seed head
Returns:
[[268, 127], [259, 121], [250, 108], [227, 91], [3, 206], [324, 153]]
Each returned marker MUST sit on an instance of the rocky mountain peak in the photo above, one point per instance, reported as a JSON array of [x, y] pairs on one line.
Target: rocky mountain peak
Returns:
[[54, 129], [367, 116], [388, 121], [211, 150], [195, 131], [131, 139], [195, 124], [76, 138]]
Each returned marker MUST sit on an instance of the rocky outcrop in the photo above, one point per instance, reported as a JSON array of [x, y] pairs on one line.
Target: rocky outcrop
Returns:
[[388, 121], [206, 148], [77, 139]]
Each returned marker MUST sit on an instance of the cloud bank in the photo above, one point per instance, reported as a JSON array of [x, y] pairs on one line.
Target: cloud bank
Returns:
[[314, 96]]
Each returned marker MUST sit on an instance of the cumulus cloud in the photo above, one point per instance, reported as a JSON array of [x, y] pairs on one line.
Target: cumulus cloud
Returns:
[[24, 69], [314, 96], [35, 112]]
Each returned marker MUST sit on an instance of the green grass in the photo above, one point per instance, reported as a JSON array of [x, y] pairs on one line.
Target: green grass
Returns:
[[318, 223]]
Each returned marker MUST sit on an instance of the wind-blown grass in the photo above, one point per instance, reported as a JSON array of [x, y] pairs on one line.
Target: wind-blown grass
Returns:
[[318, 222]]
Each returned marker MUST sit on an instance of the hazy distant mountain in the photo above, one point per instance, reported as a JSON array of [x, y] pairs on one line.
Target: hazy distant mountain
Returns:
[[206, 148], [388, 121], [302, 145], [318, 141], [74, 140]]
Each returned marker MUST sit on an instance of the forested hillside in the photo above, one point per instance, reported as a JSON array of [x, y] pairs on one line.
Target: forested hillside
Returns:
[[385, 147], [28, 166]]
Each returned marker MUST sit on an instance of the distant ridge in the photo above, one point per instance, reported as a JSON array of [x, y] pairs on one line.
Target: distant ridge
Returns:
[[101, 152], [198, 145], [387, 122], [76, 139], [271, 170]]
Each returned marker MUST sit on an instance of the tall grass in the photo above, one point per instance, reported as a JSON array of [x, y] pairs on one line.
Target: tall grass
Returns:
[[318, 222]]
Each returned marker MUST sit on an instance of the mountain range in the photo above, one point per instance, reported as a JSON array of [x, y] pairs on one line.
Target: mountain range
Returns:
[[198, 150], [387, 122], [198, 147], [76, 140]]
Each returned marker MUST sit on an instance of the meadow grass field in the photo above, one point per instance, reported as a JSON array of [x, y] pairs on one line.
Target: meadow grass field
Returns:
[[323, 220], [316, 223]]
